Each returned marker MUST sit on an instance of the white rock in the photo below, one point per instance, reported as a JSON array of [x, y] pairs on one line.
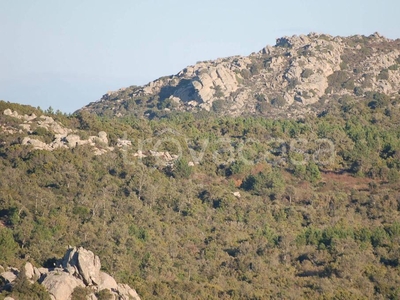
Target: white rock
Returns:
[[8, 112], [139, 154], [72, 140], [26, 127], [36, 272], [237, 194], [89, 266], [61, 285], [123, 143], [103, 137], [39, 145], [47, 120], [29, 271], [43, 271], [107, 282], [86, 264], [127, 293], [30, 117], [9, 276]]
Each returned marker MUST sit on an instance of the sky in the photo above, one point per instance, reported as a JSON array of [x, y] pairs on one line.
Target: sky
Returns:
[[66, 54]]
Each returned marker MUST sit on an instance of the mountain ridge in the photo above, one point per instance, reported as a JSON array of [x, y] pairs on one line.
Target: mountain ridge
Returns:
[[298, 75]]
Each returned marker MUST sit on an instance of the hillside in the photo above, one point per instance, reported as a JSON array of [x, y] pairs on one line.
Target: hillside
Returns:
[[202, 206], [297, 76]]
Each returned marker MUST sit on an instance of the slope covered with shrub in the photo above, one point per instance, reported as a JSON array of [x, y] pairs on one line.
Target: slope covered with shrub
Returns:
[[267, 209]]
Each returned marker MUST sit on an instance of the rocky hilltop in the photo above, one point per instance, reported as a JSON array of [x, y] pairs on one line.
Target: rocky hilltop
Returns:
[[59, 135], [78, 272], [44, 133], [297, 75]]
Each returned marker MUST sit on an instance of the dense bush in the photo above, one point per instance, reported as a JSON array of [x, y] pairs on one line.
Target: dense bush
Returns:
[[270, 211]]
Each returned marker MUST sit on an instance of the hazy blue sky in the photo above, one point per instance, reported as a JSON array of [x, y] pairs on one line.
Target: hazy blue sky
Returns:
[[66, 54]]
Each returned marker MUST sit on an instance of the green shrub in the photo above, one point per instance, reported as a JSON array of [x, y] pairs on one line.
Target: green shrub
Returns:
[[80, 293], [343, 65], [46, 135], [358, 91], [255, 69], [292, 83], [218, 93], [23, 289], [339, 80], [278, 101], [260, 97], [383, 75], [238, 167], [312, 172], [8, 246], [265, 184], [263, 107], [307, 73], [245, 74], [218, 106], [104, 295], [182, 169]]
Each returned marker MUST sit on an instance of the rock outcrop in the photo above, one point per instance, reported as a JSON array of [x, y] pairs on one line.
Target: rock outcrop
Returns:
[[298, 70], [61, 285], [63, 137], [10, 276], [66, 138], [83, 264], [78, 268]]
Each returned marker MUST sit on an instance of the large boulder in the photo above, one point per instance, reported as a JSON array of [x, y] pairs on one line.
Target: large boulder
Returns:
[[8, 112], [37, 274], [89, 266], [83, 264], [9, 276], [38, 145], [103, 137], [30, 117], [107, 282], [29, 271], [73, 140], [78, 268], [125, 292], [61, 285]]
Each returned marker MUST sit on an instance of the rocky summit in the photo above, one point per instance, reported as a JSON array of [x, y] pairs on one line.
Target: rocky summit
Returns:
[[298, 75]]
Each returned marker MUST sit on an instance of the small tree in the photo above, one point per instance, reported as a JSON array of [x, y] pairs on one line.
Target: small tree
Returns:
[[24, 289], [312, 172], [218, 93], [80, 293], [104, 295], [8, 246], [218, 106], [182, 169]]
